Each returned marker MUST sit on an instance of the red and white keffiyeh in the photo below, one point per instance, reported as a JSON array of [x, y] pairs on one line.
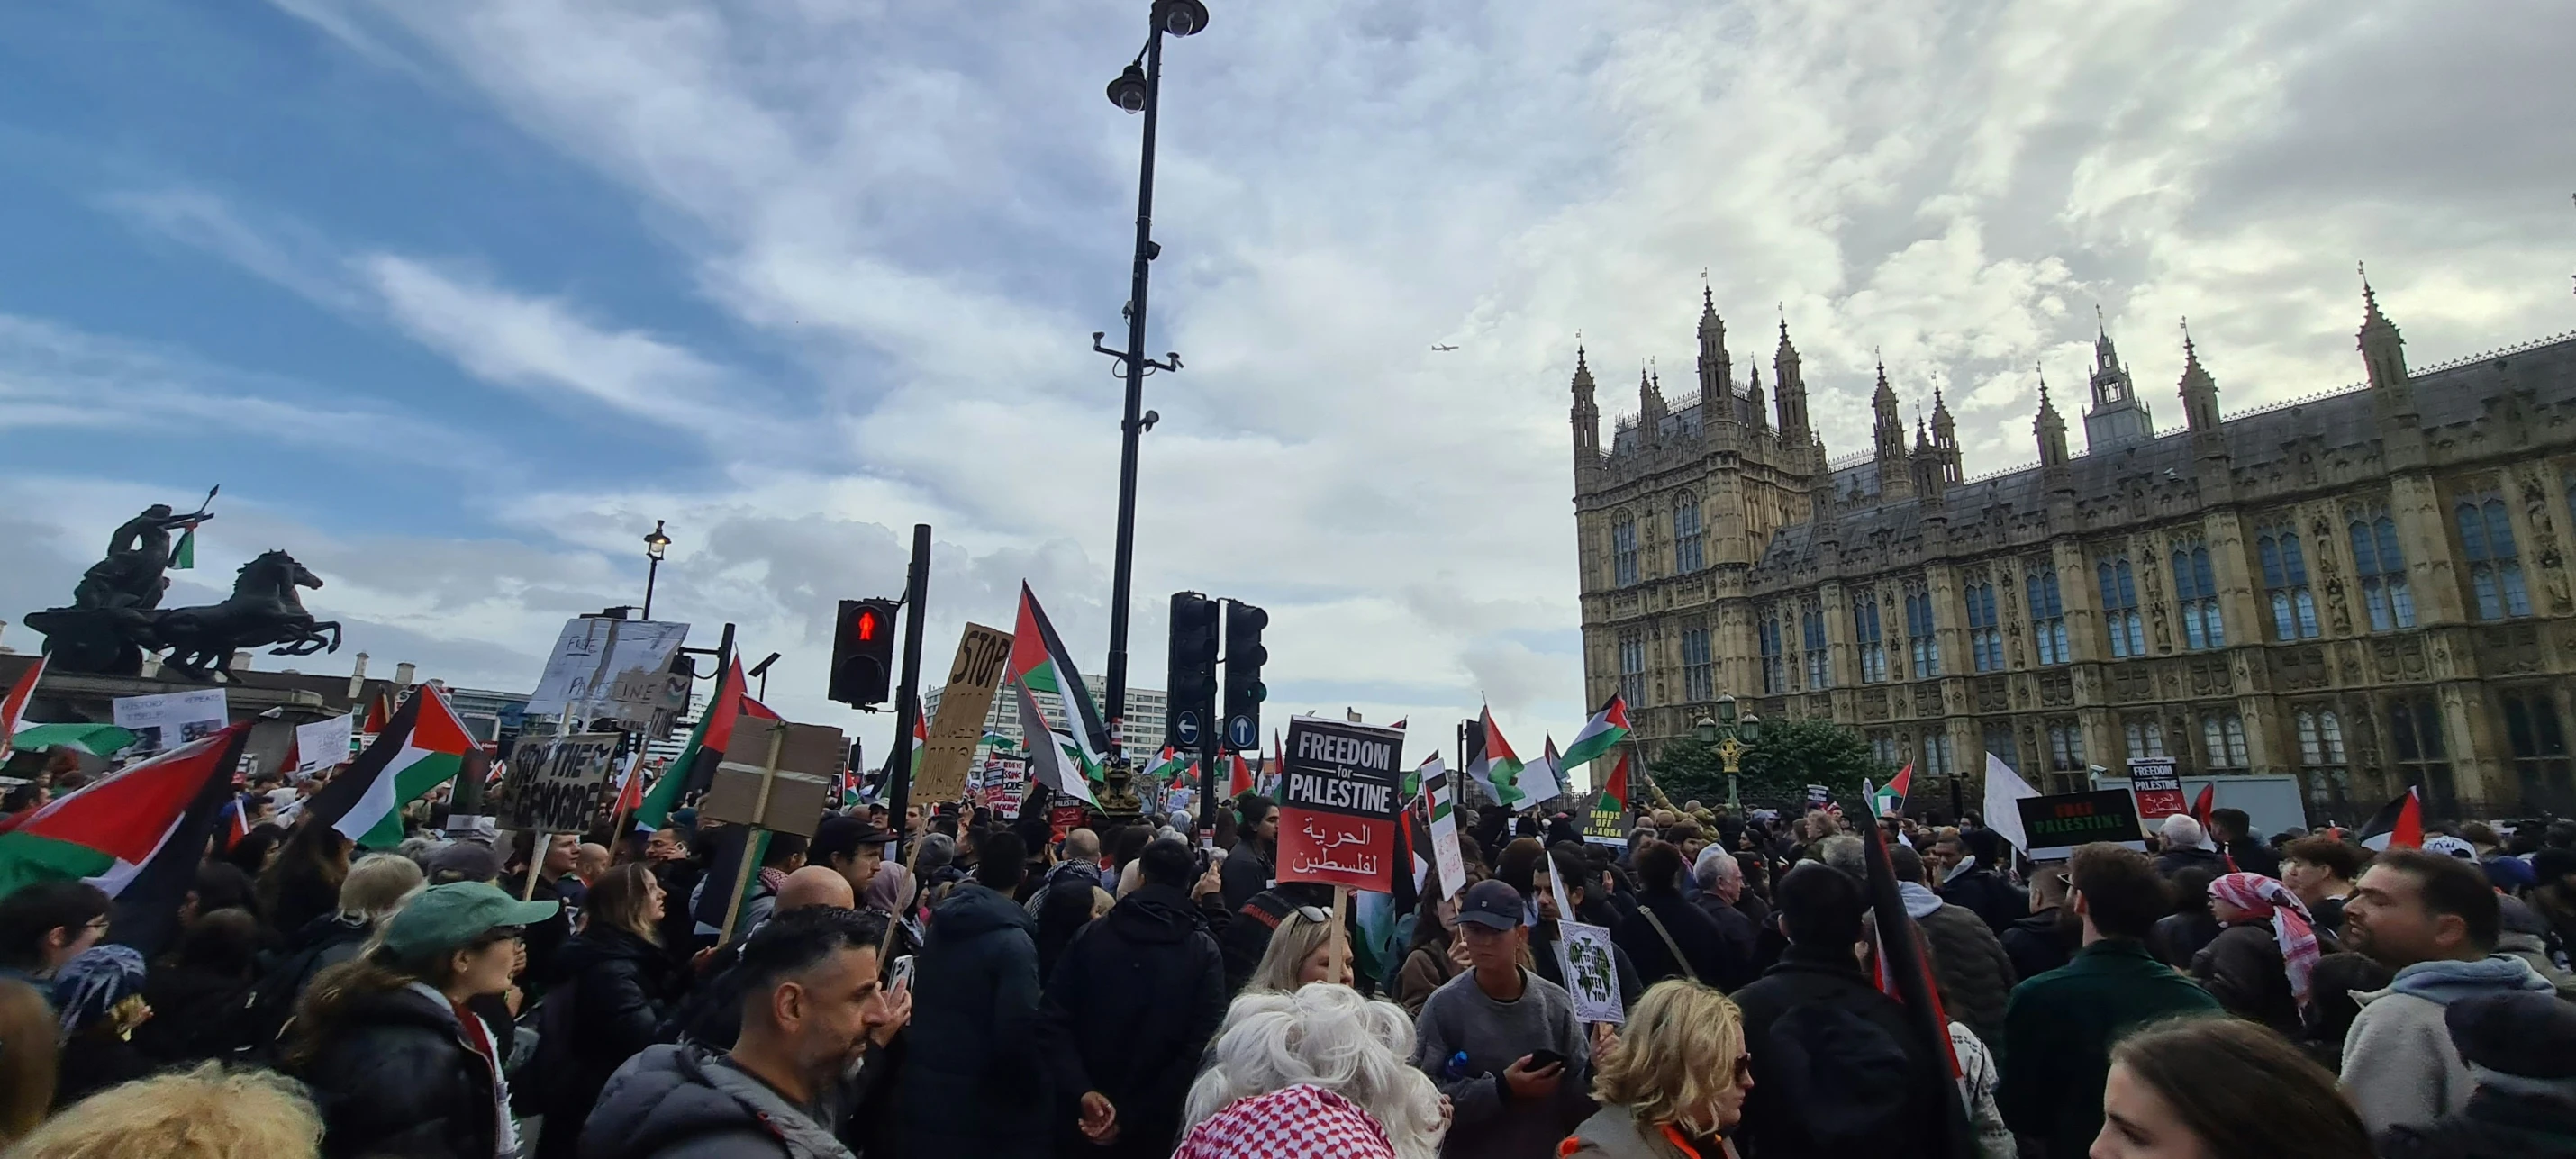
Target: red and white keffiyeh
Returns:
[[2265, 898], [1299, 1122]]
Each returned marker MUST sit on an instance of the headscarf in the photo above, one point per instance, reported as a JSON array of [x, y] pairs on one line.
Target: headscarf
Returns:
[[889, 889], [2263, 897], [1298, 1122], [92, 983]]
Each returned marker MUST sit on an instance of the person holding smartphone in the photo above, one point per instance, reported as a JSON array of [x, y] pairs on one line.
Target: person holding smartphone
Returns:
[[1502, 1043]]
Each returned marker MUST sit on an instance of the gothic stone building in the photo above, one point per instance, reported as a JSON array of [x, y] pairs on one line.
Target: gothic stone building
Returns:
[[2366, 589]]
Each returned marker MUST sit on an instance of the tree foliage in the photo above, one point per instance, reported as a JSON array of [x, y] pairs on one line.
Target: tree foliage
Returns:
[[1775, 772]]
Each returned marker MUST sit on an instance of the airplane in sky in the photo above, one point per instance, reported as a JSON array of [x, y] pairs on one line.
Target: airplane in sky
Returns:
[[1436, 346]]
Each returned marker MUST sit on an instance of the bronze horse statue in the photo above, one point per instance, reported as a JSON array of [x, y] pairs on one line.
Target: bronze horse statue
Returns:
[[264, 609]]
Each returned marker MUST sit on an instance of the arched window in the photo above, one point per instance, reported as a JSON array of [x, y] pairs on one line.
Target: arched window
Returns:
[[1985, 637], [1811, 635], [1923, 646], [2222, 740], [1866, 635], [2047, 614], [2196, 597], [1623, 551], [1766, 626], [2495, 564], [2120, 618], [1687, 554], [2381, 567], [2285, 582]]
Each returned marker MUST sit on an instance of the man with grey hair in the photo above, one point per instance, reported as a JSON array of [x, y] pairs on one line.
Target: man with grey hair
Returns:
[[1721, 885], [2186, 847]]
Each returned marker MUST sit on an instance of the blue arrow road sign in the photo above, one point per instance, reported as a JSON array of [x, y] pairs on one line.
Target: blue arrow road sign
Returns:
[[1240, 734], [1186, 727]]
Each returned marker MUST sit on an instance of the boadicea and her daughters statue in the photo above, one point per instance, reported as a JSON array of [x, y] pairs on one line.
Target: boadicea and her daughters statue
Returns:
[[116, 614]]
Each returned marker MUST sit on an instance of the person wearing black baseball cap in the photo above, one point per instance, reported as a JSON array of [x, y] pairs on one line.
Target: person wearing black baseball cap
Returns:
[[397, 1064], [1502, 1042], [851, 846]]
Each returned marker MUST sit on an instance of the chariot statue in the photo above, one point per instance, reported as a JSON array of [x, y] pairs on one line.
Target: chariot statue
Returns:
[[116, 616]]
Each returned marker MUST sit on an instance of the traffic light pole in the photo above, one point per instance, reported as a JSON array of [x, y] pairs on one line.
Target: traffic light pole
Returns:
[[916, 592]]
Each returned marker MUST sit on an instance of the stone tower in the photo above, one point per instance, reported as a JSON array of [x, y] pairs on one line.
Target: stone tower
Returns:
[[2117, 417]]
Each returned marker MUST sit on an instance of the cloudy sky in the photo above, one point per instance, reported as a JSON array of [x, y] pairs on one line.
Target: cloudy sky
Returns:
[[455, 299]]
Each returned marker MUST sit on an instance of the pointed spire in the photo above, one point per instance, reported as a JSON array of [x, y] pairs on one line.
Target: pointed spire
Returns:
[[2369, 297], [2199, 390], [2042, 372], [2383, 352]]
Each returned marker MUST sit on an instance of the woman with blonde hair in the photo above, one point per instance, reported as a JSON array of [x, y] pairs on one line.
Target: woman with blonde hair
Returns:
[[206, 1113], [1318, 1072], [1306, 948], [1675, 1082]]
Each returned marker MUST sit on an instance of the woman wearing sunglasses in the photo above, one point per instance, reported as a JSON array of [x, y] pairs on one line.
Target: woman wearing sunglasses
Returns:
[[1664, 1091], [1306, 948], [397, 1064]]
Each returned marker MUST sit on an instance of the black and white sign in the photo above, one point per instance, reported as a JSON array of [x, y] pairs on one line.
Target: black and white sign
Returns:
[[554, 786], [619, 669], [1186, 727], [1240, 734]]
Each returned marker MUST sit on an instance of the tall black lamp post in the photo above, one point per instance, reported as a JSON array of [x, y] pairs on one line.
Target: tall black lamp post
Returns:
[[1138, 89], [655, 544], [1732, 737]]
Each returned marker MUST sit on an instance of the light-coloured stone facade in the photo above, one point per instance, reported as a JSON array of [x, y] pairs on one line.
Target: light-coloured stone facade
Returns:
[[2365, 589]]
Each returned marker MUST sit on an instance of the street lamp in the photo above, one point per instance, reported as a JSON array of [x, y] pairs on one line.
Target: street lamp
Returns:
[[655, 544], [1732, 737], [1138, 89]]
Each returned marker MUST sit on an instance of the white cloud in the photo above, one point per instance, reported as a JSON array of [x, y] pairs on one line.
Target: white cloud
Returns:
[[932, 219]]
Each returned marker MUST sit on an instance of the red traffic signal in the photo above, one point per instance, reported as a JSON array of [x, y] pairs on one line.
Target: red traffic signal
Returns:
[[863, 653]]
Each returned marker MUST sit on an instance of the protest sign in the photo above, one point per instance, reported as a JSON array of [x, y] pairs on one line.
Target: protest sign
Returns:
[[1006, 784], [554, 785], [1818, 796], [2158, 788], [171, 719], [614, 669], [1441, 800], [1337, 803], [2057, 823], [323, 743], [777, 775], [1607, 822], [1591, 972], [1063, 819], [963, 703]]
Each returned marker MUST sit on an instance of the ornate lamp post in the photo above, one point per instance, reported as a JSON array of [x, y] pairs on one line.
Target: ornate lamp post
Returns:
[[655, 544], [1732, 737]]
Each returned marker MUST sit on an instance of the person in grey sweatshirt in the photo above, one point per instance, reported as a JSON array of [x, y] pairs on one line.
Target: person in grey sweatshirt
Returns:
[[2435, 920], [1502, 1042]]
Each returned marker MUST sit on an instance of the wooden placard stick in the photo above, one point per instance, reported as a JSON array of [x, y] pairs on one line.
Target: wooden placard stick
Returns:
[[759, 812]]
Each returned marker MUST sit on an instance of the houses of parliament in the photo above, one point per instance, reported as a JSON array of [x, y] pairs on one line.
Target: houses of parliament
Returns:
[[2365, 589]]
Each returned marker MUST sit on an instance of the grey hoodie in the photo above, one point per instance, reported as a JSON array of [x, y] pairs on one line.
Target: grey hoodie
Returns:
[[2399, 1065]]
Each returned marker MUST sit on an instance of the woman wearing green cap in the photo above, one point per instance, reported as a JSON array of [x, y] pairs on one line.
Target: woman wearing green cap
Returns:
[[397, 1065]]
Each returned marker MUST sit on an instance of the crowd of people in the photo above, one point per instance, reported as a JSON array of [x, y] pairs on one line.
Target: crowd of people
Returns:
[[947, 983]]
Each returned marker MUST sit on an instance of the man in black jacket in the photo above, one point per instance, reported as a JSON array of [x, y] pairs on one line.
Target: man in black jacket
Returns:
[[972, 1084], [2049, 936], [1129, 1009], [1836, 1069], [2233, 832], [1974, 880], [1250, 865], [813, 1005], [1670, 937]]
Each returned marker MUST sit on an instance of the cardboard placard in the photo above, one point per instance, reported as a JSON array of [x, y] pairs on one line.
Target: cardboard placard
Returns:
[[554, 786], [2158, 787], [615, 669], [2057, 823], [1337, 803], [963, 703], [1591, 972], [323, 744], [809, 768], [1441, 805], [168, 720]]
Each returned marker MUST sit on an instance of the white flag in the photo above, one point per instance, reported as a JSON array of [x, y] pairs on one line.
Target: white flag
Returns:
[[2003, 788]]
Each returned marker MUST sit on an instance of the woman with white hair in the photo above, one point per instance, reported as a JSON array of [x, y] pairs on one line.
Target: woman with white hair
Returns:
[[1315, 1073]]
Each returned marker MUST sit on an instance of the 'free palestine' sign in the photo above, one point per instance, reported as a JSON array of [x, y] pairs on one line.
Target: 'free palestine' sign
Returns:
[[2057, 824]]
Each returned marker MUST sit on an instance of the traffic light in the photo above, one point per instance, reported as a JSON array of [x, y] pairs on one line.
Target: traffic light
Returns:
[[1244, 657], [863, 653], [1190, 707]]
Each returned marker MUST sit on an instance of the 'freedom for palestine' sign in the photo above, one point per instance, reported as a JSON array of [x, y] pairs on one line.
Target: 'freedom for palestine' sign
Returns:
[[1337, 803]]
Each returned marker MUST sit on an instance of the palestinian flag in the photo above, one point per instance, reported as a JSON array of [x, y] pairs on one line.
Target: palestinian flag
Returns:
[[1040, 663], [378, 713], [2399, 824], [421, 748], [1172, 768], [1890, 800], [1616, 788], [920, 738], [696, 766], [1492, 763], [1240, 781], [1600, 734], [13, 707], [1056, 759], [183, 555], [137, 833]]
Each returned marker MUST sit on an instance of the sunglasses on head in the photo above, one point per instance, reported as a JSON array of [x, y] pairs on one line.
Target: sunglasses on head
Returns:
[[1314, 913]]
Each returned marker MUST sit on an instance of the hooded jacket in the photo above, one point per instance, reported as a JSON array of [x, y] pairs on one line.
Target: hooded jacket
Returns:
[[2242, 968], [614, 991], [1837, 1070], [973, 1085], [686, 1102], [2038, 944], [1705, 953], [1966, 958], [1985, 893], [2399, 1065], [1127, 1013], [396, 1079]]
